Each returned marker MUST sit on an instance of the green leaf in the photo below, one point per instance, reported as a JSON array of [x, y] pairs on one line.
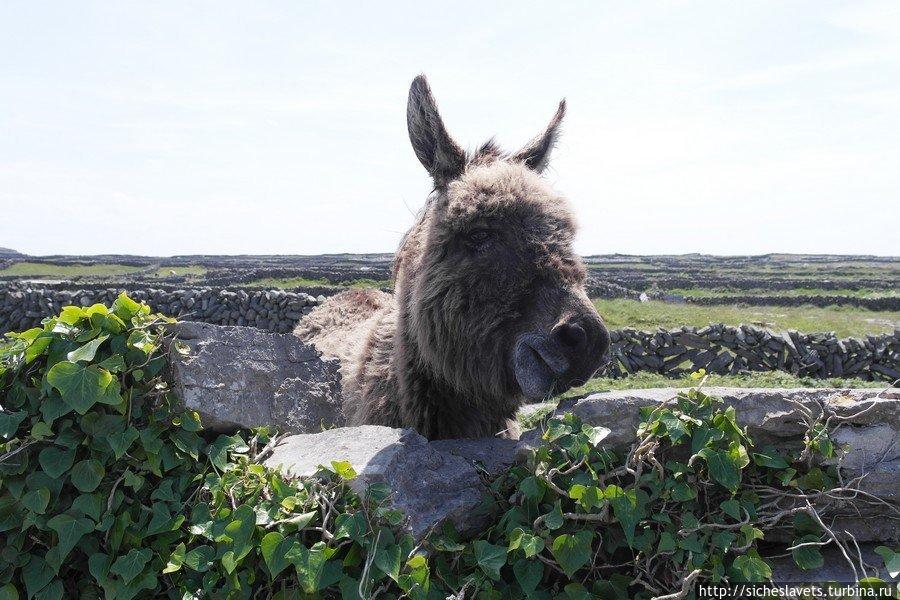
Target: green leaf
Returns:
[[722, 468], [87, 475], [769, 457], [176, 559], [241, 530], [88, 351], [8, 592], [528, 573], [125, 308], [69, 531], [490, 558], [626, 509], [807, 557], [80, 387], [200, 558], [121, 442], [752, 568], [387, 558], [315, 572], [36, 574], [344, 469], [732, 508], [275, 550], [573, 551], [36, 500], [666, 542], [554, 519], [891, 560], [129, 566], [9, 423], [56, 461]]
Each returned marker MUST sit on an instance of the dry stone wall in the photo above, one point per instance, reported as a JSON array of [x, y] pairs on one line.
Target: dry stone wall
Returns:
[[717, 348], [727, 349]]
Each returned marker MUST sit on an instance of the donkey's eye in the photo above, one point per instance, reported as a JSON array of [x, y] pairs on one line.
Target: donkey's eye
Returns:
[[479, 236]]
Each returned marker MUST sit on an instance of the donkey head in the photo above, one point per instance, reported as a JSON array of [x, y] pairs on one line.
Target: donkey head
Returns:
[[490, 291]]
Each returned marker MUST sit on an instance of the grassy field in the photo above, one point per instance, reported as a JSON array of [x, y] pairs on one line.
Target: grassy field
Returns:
[[644, 380], [844, 321], [295, 282], [181, 271], [32, 269], [770, 379], [800, 291]]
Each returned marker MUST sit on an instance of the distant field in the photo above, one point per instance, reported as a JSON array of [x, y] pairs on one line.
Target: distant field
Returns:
[[770, 379], [181, 271], [800, 291], [35, 269], [294, 282], [644, 380], [844, 321]]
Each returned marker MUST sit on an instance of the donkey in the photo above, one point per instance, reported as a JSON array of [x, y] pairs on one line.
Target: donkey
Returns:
[[489, 309]]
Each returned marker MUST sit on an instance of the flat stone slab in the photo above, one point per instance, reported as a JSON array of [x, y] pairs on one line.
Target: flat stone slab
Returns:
[[427, 484], [491, 455], [246, 377]]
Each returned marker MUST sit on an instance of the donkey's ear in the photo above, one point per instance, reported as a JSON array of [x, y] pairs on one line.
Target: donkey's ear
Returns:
[[441, 156], [536, 153]]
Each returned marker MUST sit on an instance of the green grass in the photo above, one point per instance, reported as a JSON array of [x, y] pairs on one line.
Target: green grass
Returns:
[[800, 291], [295, 282], [180, 271], [645, 380], [768, 379], [35, 269], [843, 320]]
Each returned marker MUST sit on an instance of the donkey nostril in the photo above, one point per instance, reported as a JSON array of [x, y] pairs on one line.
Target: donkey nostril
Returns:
[[571, 336]]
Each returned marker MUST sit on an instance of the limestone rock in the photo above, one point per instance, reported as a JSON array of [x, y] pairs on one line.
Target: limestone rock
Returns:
[[246, 377], [427, 484]]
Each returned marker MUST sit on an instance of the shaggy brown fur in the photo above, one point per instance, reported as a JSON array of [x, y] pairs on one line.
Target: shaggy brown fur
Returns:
[[489, 309]]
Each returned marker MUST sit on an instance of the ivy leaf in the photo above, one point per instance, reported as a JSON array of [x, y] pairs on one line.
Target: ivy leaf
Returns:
[[573, 551], [121, 442], [752, 568], [626, 508], [891, 560], [69, 531], [87, 475], [80, 387], [343, 469], [666, 542], [36, 574], [807, 557], [387, 558], [176, 559], [275, 550], [721, 468], [490, 558], [54, 591], [36, 500], [87, 352], [55, 461], [732, 508], [129, 566], [241, 530], [346, 525], [528, 573], [315, 572], [200, 558], [554, 519], [9, 423], [769, 457], [8, 592]]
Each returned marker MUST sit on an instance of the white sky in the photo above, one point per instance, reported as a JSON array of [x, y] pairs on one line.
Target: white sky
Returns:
[[230, 127]]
